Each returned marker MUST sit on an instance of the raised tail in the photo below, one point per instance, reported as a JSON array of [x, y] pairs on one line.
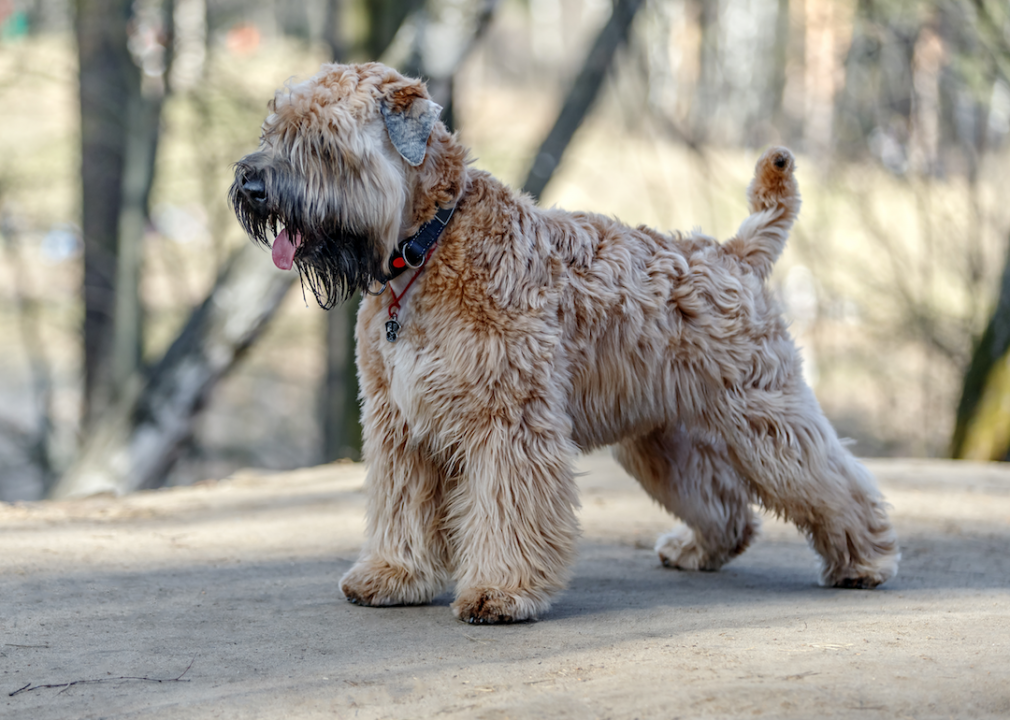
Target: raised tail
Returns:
[[774, 199]]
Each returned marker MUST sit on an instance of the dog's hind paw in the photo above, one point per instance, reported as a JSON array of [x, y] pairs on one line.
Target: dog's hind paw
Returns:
[[864, 576], [490, 606], [679, 549], [862, 557]]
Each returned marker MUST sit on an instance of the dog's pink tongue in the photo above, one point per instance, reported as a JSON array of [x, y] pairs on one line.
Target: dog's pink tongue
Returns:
[[284, 249]]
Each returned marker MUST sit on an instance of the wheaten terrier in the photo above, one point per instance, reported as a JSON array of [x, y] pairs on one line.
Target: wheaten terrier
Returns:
[[497, 339]]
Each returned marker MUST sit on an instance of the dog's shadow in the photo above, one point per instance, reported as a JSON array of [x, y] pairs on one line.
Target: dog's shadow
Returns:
[[610, 578]]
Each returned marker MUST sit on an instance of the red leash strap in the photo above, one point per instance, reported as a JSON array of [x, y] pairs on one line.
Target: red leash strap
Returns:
[[392, 326]]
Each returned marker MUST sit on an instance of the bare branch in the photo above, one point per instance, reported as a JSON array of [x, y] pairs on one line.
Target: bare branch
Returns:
[[581, 96], [29, 687], [135, 442]]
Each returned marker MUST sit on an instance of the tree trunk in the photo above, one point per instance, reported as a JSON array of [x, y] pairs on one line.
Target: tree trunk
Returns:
[[138, 439], [138, 173], [982, 424], [143, 132], [384, 20], [108, 79], [581, 96], [340, 414], [333, 30], [877, 93], [773, 106], [709, 84], [120, 125]]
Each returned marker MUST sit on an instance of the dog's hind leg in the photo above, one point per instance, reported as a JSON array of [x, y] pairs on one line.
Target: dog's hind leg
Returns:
[[693, 479], [795, 463], [405, 560]]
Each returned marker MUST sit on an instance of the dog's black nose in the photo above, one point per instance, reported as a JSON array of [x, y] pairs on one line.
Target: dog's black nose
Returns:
[[254, 189]]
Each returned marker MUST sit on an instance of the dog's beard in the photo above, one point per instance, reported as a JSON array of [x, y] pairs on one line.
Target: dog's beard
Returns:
[[333, 261], [335, 265]]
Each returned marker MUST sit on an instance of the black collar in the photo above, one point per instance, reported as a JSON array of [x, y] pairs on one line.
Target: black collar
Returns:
[[411, 253]]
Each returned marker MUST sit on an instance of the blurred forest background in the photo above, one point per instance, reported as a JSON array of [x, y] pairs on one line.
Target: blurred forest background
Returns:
[[145, 342]]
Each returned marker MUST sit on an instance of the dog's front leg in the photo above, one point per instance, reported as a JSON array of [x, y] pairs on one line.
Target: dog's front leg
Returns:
[[513, 521], [405, 560]]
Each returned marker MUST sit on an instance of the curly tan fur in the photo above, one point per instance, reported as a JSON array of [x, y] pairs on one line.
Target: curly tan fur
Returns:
[[534, 334]]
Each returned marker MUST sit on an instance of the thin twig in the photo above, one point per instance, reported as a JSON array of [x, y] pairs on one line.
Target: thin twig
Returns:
[[29, 687]]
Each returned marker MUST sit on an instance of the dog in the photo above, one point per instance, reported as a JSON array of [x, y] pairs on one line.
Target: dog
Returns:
[[497, 339]]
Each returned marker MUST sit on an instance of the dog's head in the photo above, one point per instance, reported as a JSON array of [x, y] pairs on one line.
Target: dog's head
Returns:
[[342, 161]]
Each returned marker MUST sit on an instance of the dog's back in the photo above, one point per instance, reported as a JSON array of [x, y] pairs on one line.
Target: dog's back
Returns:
[[647, 324]]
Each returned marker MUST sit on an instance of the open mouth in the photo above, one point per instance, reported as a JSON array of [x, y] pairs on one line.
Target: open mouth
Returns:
[[332, 260]]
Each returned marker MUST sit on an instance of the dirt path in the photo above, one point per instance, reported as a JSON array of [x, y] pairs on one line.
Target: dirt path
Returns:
[[237, 581]]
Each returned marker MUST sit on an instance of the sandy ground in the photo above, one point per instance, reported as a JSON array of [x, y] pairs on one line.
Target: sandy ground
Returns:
[[233, 586]]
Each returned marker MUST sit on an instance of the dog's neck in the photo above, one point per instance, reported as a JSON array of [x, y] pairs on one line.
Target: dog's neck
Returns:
[[435, 189], [412, 251], [408, 262]]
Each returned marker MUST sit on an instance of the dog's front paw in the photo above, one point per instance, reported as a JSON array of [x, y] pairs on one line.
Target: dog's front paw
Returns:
[[491, 605], [378, 583], [679, 549]]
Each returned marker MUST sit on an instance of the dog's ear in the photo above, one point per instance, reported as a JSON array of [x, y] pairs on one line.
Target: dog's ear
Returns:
[[410, 117]]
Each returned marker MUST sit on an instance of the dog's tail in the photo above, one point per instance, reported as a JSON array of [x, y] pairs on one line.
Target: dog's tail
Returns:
[[774, 204]]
